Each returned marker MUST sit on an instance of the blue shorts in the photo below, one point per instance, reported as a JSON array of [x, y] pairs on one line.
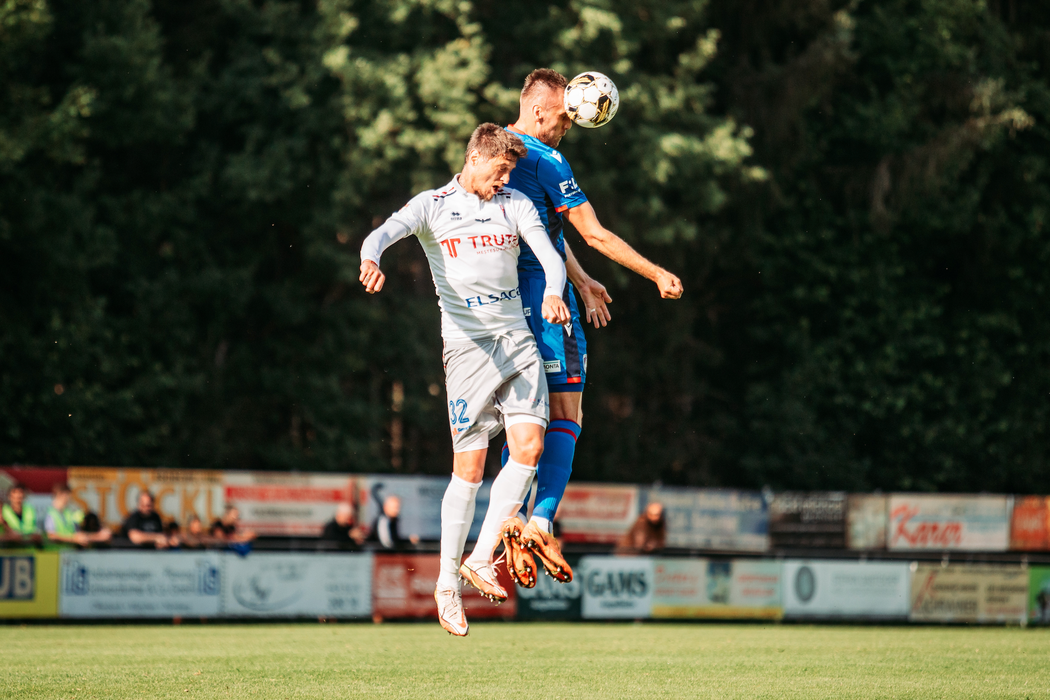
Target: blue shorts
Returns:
[[564, 355]]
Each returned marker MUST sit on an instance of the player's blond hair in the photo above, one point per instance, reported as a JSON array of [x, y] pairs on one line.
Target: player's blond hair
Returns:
[[542, 78], [493, 141]]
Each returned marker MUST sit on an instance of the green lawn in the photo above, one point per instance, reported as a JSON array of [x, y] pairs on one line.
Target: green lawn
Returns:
[[522, 660]]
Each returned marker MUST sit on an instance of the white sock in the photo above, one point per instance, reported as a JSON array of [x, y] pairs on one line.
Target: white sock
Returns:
[[542, 523], [508, 491], [457, 513]]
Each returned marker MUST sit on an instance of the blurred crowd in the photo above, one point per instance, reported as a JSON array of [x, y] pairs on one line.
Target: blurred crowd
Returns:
[[64, 526]]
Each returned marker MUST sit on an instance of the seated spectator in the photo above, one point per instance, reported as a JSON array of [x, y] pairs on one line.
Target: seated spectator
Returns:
[[647, 534], [63, 522], [342, 529], [195, 537], [19, 516], [385, 529], [228, 529], [144, 526]]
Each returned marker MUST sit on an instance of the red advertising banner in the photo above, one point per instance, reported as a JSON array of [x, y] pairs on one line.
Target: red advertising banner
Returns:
[[403, 586], [36, 479], [1030, 524], [597, 513]]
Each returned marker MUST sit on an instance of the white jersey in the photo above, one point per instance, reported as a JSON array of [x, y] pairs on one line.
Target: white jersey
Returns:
[[472, 246]]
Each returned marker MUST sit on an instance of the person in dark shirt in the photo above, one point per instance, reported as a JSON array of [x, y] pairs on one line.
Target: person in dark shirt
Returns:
[[384, 528], [648, 533], [342, 529], [228, 527], [144, 526]]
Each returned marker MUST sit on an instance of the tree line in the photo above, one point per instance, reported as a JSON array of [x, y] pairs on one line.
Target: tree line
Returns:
[[853, 193]]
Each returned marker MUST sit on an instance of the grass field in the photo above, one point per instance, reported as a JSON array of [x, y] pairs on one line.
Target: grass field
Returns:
[[522, 660]]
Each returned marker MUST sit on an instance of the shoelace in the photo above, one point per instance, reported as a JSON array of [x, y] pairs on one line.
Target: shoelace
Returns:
[[450, 604]]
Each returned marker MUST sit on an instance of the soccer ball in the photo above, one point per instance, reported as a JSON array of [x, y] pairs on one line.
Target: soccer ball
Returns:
[[591, 99]]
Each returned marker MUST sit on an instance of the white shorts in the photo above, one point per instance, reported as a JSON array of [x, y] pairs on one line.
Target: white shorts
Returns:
[[493, 383]]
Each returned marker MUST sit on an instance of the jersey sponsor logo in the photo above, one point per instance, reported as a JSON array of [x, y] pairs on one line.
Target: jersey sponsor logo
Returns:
[[450, 246], [501, 241], [552, 366], [506, 295], [567, 186], [528, 310], [482, 221], [456, 216], [585, 362]]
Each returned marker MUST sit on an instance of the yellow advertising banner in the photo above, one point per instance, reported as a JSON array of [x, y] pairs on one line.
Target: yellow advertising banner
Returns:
[[180, 493], [965, 593], [28, 584]]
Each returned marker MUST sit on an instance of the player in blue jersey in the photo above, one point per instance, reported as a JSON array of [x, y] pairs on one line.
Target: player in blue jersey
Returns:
[[545, 176]]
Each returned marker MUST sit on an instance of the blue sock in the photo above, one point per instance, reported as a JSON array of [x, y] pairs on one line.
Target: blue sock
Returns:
[[555, 467]]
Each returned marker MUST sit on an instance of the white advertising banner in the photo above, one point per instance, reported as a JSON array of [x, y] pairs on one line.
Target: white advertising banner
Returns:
[[420, 503], [597, 512], [298, 585], [716, 589], [967, 523], [617, 587], [723, 519], [140, 584], [281, 503], [847, 589]]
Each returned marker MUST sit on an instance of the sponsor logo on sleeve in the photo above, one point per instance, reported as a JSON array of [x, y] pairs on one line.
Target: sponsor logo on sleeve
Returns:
[[528, 311], [552, 366]]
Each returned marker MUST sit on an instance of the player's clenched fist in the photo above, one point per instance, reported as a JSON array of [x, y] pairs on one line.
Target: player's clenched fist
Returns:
[[669, 285], [555, 310], [371, 277]]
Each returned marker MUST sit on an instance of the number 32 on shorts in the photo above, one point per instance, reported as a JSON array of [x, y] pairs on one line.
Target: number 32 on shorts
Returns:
[[458, 406]]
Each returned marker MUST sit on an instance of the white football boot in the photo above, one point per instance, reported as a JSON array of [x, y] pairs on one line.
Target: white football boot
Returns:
[[484, 579], [450, 611]]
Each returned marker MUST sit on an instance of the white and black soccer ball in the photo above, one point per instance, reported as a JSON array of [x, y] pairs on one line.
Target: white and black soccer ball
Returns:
[[591, 99]]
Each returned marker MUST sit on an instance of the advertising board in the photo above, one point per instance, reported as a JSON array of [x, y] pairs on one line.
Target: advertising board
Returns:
[[297, 585], [1030, 524], [113, 493], [616, 587], [550, 600], [1039, 595], [867, 517], [28, 584], [140, 584], [969, 593], [403, 586], [808, 520], [976, 523], [705, 588], [280, 503], [828, 589], [36, 479], [722, 519], [597, 512]]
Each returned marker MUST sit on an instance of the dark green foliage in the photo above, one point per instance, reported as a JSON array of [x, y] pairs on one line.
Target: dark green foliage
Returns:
[[852, 192]]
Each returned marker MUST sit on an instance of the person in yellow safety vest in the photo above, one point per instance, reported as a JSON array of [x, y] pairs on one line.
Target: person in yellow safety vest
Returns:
[[19, 516], [62, 522]]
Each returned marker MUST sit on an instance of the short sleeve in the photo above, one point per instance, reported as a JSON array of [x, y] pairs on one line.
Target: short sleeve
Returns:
[[557, 180]]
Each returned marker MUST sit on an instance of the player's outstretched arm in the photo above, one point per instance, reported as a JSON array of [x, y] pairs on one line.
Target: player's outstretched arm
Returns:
[[592, 292], [584, 220], [372, 250]]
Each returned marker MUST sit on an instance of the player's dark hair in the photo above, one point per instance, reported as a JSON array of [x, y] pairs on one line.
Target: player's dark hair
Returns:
[[493, 141], [543, 78]]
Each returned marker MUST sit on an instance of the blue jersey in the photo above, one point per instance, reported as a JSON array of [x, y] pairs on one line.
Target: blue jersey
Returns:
[[545, 177]]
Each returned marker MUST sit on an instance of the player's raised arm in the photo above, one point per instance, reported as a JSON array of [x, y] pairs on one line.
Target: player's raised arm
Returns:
[[400, 225], [584, 220]]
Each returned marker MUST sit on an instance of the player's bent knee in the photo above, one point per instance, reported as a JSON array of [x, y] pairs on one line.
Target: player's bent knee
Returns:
[[526, 442]]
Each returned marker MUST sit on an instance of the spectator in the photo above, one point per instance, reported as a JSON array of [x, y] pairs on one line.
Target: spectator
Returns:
[[144, 526], [63, 523], [385, 529], [342, 529], [195, 537], [647, 534], [228, 529], [19, 516]]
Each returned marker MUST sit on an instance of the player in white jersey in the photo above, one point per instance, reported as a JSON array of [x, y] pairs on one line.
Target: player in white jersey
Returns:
[[470, 231]]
